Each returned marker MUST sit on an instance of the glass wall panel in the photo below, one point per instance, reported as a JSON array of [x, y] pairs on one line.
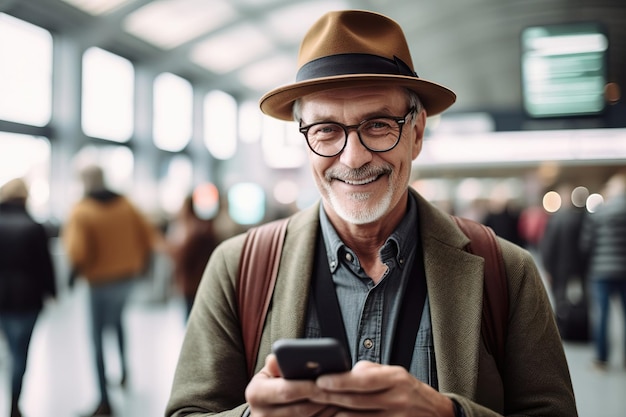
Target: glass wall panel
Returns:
[[250, 121], [175, 182], [173, 112], [28, 157], [283, 145], [25, 72], [108, 95], [220, 124]]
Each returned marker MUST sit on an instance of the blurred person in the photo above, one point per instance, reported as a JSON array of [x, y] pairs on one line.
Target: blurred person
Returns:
[[603, 242], [108, 242], [191, 242], [27, 278], [564, 264], [362, 111], [503, 216], [532, 226]]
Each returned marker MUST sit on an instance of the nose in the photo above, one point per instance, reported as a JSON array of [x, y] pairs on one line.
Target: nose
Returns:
[[355, 154]]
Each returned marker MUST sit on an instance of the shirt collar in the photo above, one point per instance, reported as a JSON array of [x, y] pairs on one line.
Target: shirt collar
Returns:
[[331, 240], [403, 237]]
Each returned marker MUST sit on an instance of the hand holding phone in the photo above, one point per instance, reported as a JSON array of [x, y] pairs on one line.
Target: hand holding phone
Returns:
[[310, 358]]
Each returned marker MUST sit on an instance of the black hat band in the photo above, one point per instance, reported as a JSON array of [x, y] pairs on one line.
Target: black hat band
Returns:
[[345, 64]]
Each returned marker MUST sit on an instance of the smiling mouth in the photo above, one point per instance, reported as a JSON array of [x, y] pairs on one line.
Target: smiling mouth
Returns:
[[364, 181], [358, 177]]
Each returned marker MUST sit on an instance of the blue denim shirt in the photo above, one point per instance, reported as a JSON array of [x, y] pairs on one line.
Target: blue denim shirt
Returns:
[[371, 311]]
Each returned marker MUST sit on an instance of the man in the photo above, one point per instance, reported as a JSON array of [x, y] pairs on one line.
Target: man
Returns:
[[27, 279], [363, 110], [564, 263], [108, 242], [604, 245]]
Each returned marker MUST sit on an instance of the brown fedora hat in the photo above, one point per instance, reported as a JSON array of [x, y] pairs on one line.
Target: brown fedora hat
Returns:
[[354, 48]]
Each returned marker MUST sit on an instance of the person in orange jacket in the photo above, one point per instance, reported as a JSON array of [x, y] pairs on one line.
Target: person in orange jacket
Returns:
[[108, 243]]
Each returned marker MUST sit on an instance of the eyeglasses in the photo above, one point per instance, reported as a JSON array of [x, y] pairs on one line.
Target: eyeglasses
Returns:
[[378, 134]]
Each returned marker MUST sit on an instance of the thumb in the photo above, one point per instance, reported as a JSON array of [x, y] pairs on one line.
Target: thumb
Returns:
[[271, 365]]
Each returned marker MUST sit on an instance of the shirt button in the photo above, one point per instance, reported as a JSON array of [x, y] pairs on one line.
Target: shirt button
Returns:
[[368, 343], [349, 257]]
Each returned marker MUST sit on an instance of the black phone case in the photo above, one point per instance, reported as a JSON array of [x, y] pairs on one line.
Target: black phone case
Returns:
[[310, 358]]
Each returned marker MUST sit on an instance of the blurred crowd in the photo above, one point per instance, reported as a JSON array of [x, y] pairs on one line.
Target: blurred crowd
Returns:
[[109, 243]]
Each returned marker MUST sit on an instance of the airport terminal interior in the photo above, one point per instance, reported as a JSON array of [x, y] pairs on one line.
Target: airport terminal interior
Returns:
[[163, 95]]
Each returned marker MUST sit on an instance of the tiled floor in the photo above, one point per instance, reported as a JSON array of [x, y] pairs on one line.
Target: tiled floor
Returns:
[[60, 379]]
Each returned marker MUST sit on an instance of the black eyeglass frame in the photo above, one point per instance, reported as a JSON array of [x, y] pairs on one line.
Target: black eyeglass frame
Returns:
[[401, 121]]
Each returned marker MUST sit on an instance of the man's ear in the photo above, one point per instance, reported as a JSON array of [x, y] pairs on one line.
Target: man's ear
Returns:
[[418, 130]]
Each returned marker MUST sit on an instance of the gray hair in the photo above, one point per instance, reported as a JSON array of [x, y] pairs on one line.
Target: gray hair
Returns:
[[92, 177], [14, 190]]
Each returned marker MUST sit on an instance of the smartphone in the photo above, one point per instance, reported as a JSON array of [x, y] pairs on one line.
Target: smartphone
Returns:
[[310, 358]]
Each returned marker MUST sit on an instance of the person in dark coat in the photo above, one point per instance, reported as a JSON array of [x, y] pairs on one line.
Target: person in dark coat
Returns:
[[26, 278], [562, 258], [503, 215], [603, 241]]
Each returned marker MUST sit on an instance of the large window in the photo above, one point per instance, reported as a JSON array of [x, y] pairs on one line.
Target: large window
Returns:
[[108, 95], [173, 112], [28, 157], [250, 122], [220, 124], [25, 72], [175, 182], [283, 146]]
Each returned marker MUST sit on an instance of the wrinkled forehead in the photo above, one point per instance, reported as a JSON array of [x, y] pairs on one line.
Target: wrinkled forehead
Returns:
[[344, 99]]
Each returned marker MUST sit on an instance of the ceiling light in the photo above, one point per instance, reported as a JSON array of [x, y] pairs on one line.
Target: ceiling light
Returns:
[[231, 49], [270, 73], [170, 23], [97, 7], [290, 23]]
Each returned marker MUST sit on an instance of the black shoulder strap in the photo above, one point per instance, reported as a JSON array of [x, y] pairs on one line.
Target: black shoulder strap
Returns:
[[258, 268], [495, 290], [329, 312]]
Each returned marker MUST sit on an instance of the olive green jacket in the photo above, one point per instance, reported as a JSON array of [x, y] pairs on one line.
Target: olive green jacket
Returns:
[[211, 375]]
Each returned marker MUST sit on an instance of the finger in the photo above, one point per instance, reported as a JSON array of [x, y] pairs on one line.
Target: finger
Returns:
[[264, 389], [352, 401], [272, 365], [365, 377], [267, 389], [407, 396]]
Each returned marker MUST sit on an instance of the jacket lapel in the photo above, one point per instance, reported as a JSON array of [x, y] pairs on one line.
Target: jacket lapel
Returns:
[[287, 315], [455, 284]]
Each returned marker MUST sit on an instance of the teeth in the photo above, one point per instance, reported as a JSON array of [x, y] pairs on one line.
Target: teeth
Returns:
[[361, 182]]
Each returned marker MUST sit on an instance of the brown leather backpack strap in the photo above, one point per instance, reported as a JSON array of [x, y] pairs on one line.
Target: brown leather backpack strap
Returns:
[[495, 292], [258, 268]]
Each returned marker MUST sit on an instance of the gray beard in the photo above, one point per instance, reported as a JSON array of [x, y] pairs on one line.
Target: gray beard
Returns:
[[360, 214]]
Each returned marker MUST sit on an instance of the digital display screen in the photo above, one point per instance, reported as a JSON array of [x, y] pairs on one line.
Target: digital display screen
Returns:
[[564, 69]]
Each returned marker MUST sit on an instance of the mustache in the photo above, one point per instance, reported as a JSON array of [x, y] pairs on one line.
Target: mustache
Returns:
[[358, 174]]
